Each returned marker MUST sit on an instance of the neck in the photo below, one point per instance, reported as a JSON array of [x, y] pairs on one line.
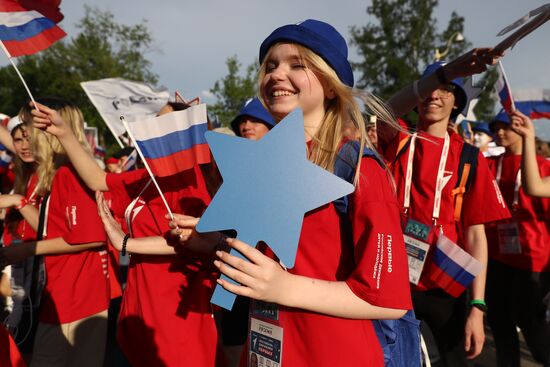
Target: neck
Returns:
[[514, 148], [312, 123], [437, 129]]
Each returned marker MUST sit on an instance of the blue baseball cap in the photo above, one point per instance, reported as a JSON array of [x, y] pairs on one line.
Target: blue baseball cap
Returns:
[[321, 38], [461, 98], [481, 126], [255, 109]]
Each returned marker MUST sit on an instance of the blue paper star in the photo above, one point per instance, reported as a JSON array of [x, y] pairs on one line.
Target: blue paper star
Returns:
[[268, 186]]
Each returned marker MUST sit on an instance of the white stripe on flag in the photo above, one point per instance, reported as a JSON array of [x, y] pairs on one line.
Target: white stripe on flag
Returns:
[[458, 255], [17, 18], [157, 127]]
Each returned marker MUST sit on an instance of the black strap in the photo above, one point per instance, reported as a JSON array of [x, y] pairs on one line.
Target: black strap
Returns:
[[469, 155], [38, 269]]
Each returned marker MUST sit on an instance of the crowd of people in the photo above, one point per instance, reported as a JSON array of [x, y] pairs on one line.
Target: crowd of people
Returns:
[[418, 191]]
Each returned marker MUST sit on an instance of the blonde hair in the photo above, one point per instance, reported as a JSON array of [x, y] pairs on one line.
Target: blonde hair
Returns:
[[340, 111], [49, 153]]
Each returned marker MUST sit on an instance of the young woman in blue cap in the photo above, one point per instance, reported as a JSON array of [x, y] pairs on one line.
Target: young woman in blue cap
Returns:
[[322, 306], [518, 278]]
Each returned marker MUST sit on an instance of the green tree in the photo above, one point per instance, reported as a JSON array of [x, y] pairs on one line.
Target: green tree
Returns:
[[485, 107], [102, 49], [233, 90], [398, 45]]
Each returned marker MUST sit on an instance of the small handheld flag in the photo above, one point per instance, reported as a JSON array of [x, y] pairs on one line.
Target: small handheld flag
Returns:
[[173, 142], [452, 268], [502, 88], [25, 32]]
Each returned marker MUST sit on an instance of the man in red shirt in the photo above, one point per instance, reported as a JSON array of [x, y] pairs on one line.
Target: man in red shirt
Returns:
[[426, 171]]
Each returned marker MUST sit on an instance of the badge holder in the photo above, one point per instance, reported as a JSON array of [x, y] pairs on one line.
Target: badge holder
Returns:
[[266, 335]]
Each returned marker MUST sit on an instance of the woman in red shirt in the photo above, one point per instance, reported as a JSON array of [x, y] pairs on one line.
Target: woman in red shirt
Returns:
[[519, 254], [73, 309], [166, 316], [324, 304]]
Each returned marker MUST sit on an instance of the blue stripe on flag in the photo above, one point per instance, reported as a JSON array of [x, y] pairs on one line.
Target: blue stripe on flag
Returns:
[[455, 271], [24, 31], [174, 142]]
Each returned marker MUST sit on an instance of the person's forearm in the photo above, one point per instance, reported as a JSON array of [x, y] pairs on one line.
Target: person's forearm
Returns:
[[405, 100], [476, 245], [148, 246], [84, 163], [30, 214], [532, 183], [331, 298], [56, 246]]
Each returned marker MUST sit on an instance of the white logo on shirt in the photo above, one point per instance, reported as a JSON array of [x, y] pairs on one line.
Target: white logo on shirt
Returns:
[[73, 215], [388, 246]]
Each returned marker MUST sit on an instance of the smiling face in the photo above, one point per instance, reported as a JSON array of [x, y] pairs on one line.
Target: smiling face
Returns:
[[288, 83], [437, 107], [21, 144]]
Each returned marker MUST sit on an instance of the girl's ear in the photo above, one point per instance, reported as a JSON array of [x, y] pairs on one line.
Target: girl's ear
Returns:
[[330, 93]]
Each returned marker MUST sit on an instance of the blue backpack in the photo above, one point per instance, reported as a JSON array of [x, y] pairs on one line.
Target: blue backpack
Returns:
[[399, 339]]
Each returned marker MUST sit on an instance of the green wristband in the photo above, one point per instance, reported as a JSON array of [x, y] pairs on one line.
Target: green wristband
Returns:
[[479, 304]]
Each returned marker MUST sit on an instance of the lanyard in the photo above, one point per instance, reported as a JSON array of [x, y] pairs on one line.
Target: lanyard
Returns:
[[129, 212], [517, 184], [439, 180]]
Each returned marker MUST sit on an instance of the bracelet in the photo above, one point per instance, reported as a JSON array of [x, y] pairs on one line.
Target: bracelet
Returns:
[[441, 76], [416, 93], [24, 201], [124, 243], [479, 304]]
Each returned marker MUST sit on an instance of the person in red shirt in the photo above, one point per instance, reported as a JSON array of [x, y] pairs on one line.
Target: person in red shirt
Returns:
[[166, 315], [426, 170], [519, 254], [9, 353], [324, 304], [73, 308]]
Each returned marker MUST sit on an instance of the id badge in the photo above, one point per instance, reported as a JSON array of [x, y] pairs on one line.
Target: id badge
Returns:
[[508, 238], [266, 344], [417, 251], [416, 237]]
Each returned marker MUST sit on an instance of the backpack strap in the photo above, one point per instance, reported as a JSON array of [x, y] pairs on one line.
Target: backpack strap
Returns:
[[467, 168], [345, 166]]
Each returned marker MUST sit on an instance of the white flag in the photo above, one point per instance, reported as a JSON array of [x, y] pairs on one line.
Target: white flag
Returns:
[[115, 97]]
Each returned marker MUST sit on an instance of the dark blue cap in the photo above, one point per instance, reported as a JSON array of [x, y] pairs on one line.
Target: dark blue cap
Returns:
[[321, 38], [503, 117], [481, 126], [461, 98], [255, 109]]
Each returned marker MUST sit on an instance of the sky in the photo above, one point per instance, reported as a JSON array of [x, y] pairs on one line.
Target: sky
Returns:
[[193, 39]]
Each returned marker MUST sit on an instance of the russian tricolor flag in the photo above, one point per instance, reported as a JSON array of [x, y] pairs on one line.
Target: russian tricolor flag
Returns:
[[452, 268], [25, 32], [173, 142], [503, 90]]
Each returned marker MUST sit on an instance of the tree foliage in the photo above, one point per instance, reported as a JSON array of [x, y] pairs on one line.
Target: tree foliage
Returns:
[[400, 43], [233, 90], [102, 49]]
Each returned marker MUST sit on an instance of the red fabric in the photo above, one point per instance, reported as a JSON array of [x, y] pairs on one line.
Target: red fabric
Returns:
[[532, 216], [166, 316], [9, 353], [24, 231], [76, 284], [327, 251], [113, 263], [48, 8], [481, 202]]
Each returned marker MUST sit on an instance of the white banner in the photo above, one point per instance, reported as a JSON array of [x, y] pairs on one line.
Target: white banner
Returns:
[[115, 97]]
